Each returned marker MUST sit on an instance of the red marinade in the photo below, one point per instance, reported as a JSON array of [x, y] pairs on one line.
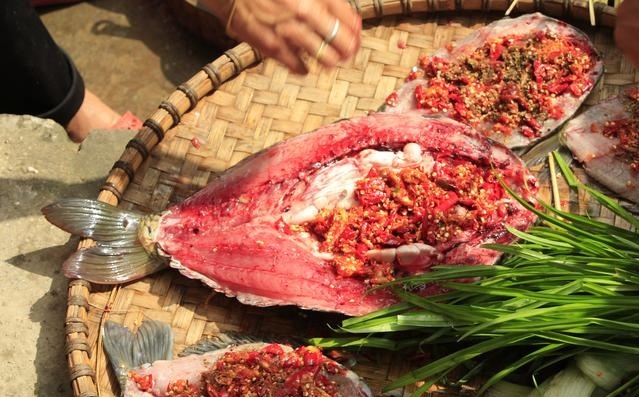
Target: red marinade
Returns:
[[271, 371], [627, 130], [508, 82], [409, 206]]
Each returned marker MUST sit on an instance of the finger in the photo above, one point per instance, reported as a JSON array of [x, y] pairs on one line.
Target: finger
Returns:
[[321, 19], [287, 56], [300, 36], [350, 18], [627, 29], [290, 57], [271, 45]]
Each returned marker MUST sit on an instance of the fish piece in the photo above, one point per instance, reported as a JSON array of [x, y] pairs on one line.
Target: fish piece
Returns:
[[224, 366], [515, 80], [605, 140], [249, 233]]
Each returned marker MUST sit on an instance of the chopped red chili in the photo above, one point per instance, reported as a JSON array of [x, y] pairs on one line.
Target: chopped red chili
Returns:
[[392, 99], [510, 83], [408, 206], [182, 388], [273, 372], [144, 382], [626, 130]]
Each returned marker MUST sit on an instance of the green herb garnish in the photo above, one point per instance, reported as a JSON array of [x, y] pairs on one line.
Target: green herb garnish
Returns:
[[569, 286]]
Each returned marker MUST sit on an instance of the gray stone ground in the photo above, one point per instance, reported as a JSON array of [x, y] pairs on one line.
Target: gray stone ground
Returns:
[[132, 53], [38, 165]]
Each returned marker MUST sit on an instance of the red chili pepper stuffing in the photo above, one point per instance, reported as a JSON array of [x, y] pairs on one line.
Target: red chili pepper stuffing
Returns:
[[272, 372], [144, 382], [392, 99], [182, 388], [397, 207], [517, 76], [626, 130], [412, 75]]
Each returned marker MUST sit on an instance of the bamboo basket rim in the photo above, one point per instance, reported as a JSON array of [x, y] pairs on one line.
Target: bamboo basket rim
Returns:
[[211, 77]]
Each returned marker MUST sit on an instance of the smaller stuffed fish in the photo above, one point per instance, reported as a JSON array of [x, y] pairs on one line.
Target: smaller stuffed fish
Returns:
[[605, 140], [226, 366], [515, 80]]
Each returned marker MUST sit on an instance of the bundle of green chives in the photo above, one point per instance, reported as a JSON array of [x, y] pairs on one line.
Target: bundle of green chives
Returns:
[[570, 285]]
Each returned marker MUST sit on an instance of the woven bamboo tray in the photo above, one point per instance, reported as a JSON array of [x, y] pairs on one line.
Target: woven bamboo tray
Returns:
[[239, 104]]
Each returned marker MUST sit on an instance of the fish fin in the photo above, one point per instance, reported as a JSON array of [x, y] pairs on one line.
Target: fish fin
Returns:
[[536, 158], [118, 344], [112, 265], [94, 219], [538, 153], [224, 340], [153, 341], [119, 256]]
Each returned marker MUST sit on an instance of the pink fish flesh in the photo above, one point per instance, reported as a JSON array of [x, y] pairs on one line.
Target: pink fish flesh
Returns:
[[262, 231], [514, 80], [605, 140]]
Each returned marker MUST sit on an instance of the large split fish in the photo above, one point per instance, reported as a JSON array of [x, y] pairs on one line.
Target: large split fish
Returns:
[[515, 80], [224, 366], [318, 219], [605, 140]]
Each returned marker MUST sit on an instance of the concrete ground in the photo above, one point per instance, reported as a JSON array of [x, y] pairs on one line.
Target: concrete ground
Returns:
[[132, 53]]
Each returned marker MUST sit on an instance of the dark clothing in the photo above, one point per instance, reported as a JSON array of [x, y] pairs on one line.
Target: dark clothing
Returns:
[[39, 78]]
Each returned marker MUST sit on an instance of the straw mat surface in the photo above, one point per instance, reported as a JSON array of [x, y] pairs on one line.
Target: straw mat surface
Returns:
[[238, 105]]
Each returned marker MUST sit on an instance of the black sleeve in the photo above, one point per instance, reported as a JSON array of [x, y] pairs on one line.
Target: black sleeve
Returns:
[[38, 77]]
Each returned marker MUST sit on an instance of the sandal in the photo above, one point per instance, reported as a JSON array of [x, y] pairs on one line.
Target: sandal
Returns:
[[128, 121]]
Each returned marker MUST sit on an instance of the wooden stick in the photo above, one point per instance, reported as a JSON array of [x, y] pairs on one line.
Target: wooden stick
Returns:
[[103, 318], [553, 182]]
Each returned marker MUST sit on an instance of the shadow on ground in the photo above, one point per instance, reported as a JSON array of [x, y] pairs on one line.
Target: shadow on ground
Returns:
[[181, 52], [45, 312], [34, 193], [39, 165]]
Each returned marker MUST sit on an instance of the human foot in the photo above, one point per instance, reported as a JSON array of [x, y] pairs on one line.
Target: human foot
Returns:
[[92, 114]]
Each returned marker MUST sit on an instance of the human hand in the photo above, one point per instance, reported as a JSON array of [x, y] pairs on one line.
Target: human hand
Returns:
[[627, 30], [288, 30]]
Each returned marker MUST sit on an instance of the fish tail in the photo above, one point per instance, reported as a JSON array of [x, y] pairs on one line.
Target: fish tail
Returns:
[[118, 344], [118, 255], [538, 153], [153, 341]]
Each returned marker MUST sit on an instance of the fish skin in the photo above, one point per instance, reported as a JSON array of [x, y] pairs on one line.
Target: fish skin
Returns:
[[522, 25], [148, 352], [596, 152], [229, 234]]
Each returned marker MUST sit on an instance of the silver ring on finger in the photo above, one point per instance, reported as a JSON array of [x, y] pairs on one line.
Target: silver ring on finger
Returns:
[[333, 33], [321, 50]]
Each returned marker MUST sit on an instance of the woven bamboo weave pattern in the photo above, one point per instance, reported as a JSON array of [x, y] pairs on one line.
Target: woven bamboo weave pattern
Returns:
[[238, 105]]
